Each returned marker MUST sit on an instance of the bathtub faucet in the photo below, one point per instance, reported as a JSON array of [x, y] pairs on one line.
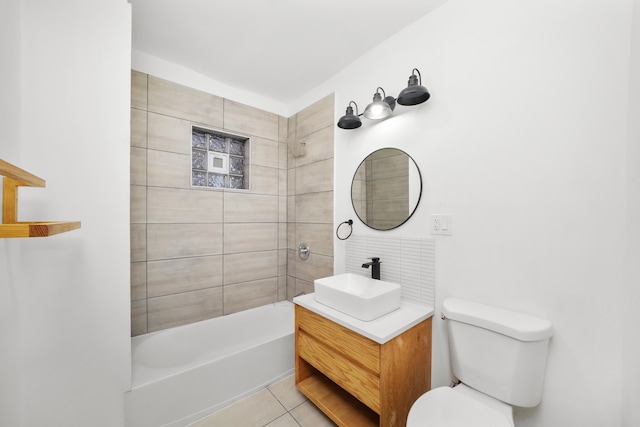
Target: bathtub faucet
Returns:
[[375, 267]]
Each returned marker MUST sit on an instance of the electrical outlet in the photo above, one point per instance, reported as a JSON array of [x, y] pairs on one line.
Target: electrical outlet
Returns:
[[441, 224]]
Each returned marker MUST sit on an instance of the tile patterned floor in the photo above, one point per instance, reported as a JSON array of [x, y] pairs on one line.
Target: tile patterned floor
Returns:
[[280, 405]]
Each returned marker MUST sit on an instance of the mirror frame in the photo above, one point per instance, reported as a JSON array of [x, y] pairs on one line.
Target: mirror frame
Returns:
[[414, 208]]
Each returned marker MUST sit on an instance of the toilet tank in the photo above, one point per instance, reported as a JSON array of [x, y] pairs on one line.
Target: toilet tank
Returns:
[[498, 352]]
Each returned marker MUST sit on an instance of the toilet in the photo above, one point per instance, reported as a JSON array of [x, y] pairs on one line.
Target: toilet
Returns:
[[499, 357]]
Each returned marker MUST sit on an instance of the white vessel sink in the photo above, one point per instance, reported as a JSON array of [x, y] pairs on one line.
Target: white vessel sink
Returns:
[[358, 296]]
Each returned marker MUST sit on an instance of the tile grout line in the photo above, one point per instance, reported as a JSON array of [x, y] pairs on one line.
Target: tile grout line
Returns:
[[288, 412]]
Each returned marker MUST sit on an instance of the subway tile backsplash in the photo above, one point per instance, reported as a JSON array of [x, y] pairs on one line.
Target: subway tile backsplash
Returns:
[[409, 262]]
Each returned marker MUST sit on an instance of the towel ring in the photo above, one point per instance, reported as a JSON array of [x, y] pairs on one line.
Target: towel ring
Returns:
[[344, 230]]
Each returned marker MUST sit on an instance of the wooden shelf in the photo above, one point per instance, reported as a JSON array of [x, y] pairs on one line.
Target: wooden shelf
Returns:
[[15, 177], [37, 229], [336, 403], [20, 175]]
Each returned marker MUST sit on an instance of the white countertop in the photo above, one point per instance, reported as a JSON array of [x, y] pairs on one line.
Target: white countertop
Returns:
[[379, 330]]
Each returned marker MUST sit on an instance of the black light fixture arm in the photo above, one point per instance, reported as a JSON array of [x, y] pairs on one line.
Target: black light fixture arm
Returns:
[[354, 103], [415, 70], [388, 99]]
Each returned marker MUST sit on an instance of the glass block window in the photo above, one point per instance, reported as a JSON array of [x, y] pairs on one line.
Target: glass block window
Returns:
[[219, 160]]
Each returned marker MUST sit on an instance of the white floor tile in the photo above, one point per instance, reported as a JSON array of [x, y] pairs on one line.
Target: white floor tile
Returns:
[[308, 415], [280, 405], [254, 411], [287, 392]]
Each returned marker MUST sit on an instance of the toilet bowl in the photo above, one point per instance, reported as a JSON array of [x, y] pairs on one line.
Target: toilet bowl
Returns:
[[499, 357], [460, 406]]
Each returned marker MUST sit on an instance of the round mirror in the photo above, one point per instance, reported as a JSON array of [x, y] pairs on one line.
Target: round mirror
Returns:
[[386, 189]]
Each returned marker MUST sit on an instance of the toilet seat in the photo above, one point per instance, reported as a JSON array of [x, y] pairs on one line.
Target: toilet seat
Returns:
[[460, 406]]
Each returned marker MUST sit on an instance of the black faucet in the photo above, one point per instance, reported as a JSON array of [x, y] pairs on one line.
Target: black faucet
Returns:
[[375, 267]]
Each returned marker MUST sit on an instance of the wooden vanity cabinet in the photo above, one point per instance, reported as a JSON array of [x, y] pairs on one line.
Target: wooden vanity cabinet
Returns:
[[356, 381]]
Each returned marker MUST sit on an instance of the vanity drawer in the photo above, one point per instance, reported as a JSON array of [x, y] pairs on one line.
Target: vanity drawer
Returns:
[[340, 340], [359, 381]]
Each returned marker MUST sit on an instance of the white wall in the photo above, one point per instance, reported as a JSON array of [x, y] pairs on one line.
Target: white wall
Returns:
[[630, 389], [524, 142], [9, 253], [67, 297]]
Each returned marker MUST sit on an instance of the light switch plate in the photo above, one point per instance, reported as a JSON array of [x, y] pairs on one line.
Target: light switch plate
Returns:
[[442, 225]]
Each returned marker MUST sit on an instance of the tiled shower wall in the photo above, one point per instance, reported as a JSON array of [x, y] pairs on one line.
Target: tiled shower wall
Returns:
[[201, 253], [310, 195]]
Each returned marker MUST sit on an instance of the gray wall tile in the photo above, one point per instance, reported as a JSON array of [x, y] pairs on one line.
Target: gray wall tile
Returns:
[[138, 128], [168, 169], [282, 155], [291, 287], [292, 255], [245, 207], [138, 204], [265, 180], [303, 286], [282, 288], [138, 166], [183, 240], [138, 242], [315, 207], [138, 317], [315, 177], [318, 146], [172, 99], [282, 262], [282, 209], [315, 267], [184, 308], [242, 296], [250, 237], [138, 90], [315, 117], [170, 205], [249, 120], [138, 281], [175, 276], [265, 152], [319, 237], [283, 128], [248, 266], [169, 134]]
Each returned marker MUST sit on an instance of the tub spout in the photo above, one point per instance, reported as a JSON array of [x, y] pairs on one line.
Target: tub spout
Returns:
[[375, 267]]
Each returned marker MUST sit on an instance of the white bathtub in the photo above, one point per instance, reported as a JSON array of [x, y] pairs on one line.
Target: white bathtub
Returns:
[[182, 374]]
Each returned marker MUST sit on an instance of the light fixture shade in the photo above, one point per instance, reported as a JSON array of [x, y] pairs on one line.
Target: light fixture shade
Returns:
[[414, 93], [350, 120], [379, 108]]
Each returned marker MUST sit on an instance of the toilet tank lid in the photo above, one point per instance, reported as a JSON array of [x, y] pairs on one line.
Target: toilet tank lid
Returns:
[[520, 326]]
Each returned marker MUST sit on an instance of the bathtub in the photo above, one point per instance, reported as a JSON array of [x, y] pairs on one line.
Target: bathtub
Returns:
[[182, 374]]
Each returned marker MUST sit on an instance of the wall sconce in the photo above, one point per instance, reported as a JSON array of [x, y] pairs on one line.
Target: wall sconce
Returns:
[[350, 120], [381, 108], [414, 93]]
